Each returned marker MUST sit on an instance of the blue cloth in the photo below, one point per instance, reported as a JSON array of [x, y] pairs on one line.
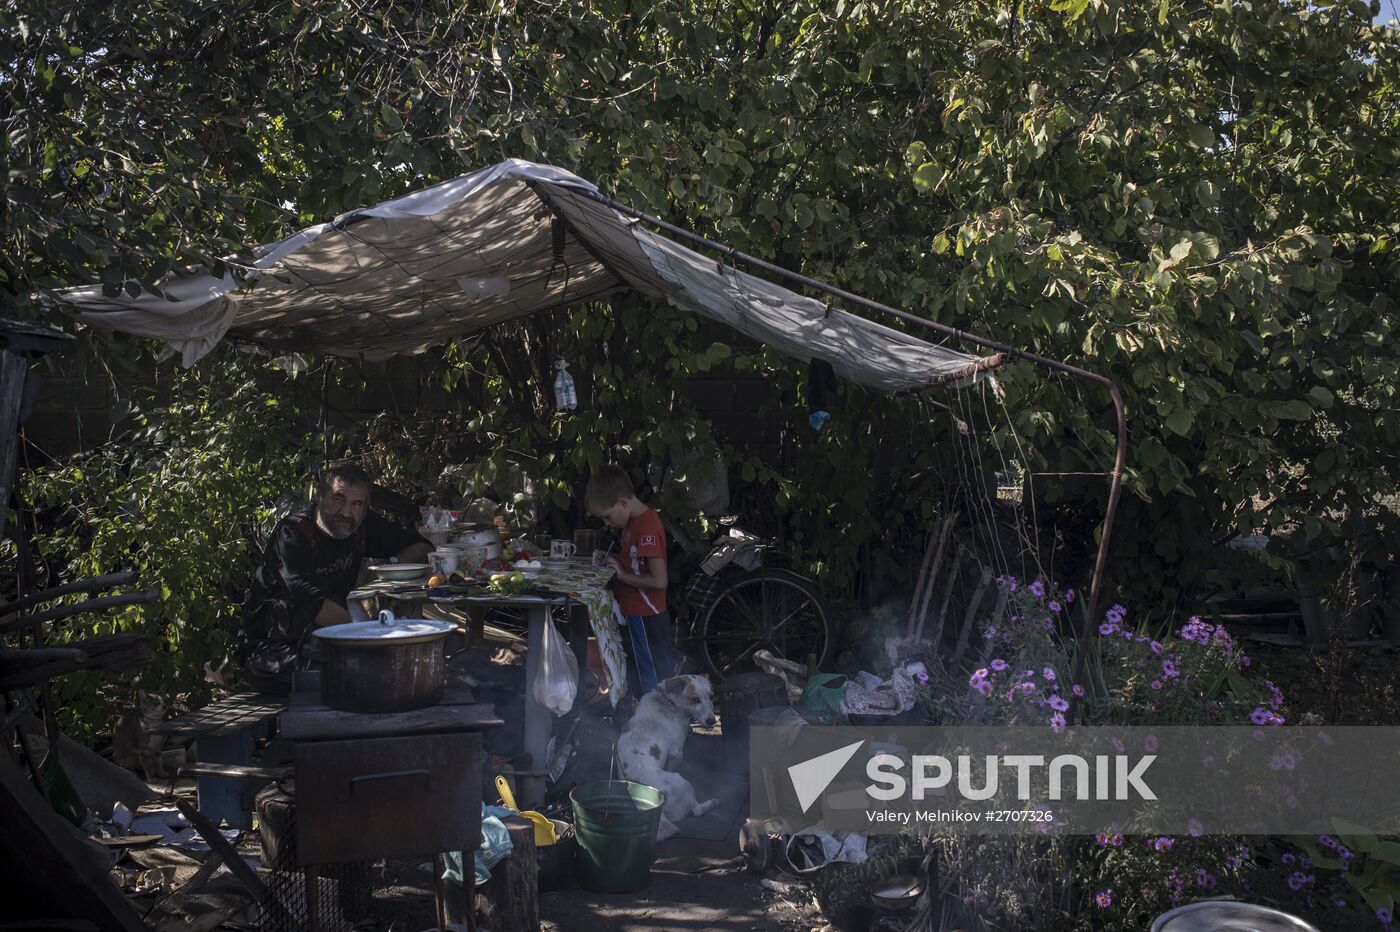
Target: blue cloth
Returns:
[[818, 419], [495, 845], [649, 655]]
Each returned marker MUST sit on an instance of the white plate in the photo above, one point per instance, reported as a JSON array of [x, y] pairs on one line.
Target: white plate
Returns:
[[400, 572]]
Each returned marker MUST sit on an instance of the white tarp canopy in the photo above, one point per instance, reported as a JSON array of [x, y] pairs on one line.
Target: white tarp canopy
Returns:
[[510, 240]]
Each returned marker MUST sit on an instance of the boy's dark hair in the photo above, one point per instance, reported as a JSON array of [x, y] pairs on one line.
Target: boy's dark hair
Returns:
[[606, 486], [347, 472]]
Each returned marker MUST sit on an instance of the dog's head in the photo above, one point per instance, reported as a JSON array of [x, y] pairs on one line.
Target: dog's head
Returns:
[[693, 694]]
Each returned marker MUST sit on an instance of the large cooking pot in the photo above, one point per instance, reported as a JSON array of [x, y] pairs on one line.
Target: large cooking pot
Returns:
[[486, 537], [388, 665]]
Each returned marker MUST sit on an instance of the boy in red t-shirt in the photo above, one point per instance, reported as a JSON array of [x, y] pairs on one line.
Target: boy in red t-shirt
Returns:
[[640, 583]]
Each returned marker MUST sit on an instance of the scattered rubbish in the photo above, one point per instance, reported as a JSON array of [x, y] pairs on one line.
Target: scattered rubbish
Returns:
[[870, 695], [811, 850], [169, 824], [783, 886]]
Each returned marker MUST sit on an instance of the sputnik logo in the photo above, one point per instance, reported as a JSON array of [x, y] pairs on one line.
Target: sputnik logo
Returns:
[[811, 777]]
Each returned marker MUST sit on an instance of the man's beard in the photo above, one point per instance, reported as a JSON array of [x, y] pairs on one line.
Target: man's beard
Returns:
[[339, 531]]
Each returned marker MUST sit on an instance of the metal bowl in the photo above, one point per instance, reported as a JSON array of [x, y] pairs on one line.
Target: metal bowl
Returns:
[[897, 892], [1228, 916]]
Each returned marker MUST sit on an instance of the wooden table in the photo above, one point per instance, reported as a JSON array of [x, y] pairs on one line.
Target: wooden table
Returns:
[[223, 733]]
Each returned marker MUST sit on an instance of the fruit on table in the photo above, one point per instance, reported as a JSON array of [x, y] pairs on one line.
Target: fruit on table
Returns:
[[437, 579], [509, 583]]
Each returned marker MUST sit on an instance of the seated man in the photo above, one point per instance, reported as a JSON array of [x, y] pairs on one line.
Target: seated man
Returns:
[[311, 563]]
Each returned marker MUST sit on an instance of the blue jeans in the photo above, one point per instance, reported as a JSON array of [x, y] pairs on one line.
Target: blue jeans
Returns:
[[649, 652]]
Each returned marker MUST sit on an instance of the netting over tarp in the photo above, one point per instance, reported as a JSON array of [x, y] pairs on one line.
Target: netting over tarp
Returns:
[[510, 240]]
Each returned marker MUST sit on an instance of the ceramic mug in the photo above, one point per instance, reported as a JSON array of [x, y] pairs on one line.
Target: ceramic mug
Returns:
[[444, 562], [472, 559], [587, 540], [561, 549]]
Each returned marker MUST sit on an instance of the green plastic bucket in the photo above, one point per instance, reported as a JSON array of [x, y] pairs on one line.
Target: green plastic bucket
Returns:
[[616, 823]]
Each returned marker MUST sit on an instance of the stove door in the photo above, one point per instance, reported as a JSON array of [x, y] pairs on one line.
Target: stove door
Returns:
[[374, 798]]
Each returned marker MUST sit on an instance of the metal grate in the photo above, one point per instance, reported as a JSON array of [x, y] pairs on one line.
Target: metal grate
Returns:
[[342, 893]]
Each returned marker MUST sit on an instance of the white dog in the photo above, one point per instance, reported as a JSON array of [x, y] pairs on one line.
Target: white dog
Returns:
[[654, 739]]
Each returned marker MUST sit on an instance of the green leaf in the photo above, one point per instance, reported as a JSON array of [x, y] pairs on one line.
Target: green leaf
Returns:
[[1321, 396], [1202, 137], [1179, 420], [927, 176]]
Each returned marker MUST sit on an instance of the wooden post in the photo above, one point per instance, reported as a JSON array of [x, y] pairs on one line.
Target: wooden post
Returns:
[[13, 368], [510, 900], [456, 903]]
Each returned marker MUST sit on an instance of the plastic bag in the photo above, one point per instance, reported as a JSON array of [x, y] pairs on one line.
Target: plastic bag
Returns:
[[556, 681]]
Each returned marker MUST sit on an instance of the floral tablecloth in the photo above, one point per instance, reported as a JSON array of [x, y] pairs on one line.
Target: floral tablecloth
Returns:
[[591, 585]]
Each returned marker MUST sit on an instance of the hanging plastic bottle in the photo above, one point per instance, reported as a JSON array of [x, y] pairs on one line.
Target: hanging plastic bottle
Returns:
[[565, 395]]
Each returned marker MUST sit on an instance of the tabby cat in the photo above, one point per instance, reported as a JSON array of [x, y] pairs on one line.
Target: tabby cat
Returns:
[[133, 744]]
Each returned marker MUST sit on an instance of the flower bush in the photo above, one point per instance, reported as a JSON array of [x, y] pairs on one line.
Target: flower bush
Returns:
[[1196, 674]]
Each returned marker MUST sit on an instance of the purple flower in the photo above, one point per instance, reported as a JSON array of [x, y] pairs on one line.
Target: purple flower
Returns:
[[1289, 858], [1205, 879], [1027, 688], [1077, 689], [1169, 670], [1057, 704], [1150, 743], [1194, 828], [1298, 880], [1327, 841], [1055, 606], [921, 677], [1117, 745], [1116, 614], [1069, 595], [1156, 647], [1038, 589], [1162, 843], [1208, 761], [1156, 684], [998, 664], [1265, 717], [1103, 899], [1275, 696], [1048, 673], [1283, 761], [1384, 916], [1108, 628], [1057, 721], [983, 687]]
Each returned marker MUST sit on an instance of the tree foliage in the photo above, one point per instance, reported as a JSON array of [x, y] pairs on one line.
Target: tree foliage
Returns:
[[1198, 199]]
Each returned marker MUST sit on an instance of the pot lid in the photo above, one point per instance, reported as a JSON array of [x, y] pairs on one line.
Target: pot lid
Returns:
[[387, 630]]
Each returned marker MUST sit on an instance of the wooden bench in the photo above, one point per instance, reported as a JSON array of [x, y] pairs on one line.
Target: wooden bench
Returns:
[[223, 732]]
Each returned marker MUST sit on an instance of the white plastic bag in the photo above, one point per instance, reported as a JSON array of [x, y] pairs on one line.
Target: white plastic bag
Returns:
[[556, 681]]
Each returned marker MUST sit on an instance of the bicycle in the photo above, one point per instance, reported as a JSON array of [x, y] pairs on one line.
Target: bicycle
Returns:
[[750, 602]]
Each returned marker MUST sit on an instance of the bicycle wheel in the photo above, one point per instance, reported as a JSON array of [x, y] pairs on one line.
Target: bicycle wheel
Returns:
[[770, 609]]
